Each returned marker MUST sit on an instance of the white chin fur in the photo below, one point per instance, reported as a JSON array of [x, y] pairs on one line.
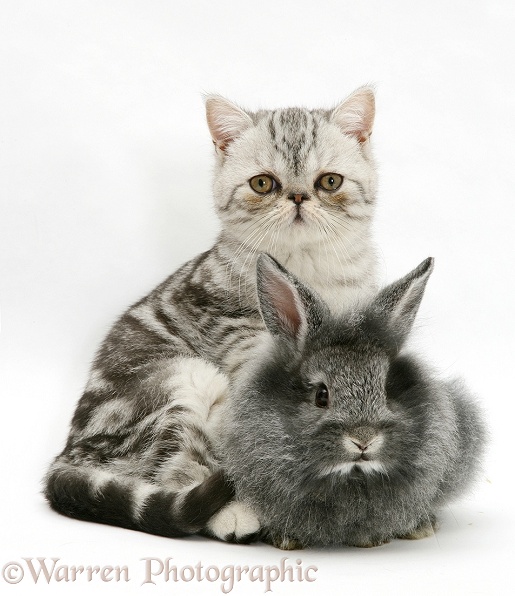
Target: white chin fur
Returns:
[[368, 467]]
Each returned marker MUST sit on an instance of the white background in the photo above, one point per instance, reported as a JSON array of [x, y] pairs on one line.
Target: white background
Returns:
[[105, 172]]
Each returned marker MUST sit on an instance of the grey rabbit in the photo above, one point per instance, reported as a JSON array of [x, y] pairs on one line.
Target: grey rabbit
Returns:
[[334, 436]]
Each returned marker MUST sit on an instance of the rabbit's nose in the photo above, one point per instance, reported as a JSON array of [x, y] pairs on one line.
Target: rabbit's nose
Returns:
[[361, 442], [361, 445]]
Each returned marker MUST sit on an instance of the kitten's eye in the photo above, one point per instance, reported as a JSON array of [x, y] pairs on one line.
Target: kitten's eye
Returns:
[[263, 184], [322, 397], [329, 181]]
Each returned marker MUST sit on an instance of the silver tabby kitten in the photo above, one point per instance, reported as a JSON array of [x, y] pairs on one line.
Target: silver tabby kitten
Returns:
[[299, 184]]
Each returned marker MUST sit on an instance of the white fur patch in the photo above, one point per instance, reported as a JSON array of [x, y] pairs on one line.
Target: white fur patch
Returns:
[[235, 519], [141, 492], [368, 467], [372, 467], [198, 386]]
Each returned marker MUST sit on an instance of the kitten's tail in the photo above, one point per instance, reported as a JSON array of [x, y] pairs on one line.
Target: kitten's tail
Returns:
[[92, 494]]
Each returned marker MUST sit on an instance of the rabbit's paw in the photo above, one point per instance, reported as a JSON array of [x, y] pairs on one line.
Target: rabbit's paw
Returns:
[[287, 544], [282, 542], [371, 543], [234, 523], [424, 529]]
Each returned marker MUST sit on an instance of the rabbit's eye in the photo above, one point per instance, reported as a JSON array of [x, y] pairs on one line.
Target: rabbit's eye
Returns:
[[322, 397]]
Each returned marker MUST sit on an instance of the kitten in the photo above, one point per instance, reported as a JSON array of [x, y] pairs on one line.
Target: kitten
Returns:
[[299, 184]]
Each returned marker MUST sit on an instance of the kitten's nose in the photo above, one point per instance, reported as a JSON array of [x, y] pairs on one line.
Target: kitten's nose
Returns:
[[298, 198]]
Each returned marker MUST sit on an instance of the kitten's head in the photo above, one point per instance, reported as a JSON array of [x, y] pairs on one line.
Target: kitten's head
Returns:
[[288, 178]]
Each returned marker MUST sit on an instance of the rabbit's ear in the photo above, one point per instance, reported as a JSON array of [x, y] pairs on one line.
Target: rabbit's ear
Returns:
[[398, 303], [288, 308]]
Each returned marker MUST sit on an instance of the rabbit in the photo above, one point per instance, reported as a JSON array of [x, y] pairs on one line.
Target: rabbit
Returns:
[[332, 435]]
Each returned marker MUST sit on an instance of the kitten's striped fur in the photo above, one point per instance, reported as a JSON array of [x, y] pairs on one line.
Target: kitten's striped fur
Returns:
[[139, 452]]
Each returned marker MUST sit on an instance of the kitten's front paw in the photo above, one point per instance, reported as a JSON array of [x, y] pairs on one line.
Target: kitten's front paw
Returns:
[[234, 523]]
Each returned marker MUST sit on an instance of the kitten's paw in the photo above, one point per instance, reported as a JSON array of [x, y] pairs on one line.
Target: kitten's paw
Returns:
[[425, 529], [234, 523]]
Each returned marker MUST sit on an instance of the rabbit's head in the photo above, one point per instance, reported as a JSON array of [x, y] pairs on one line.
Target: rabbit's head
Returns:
[[310, 421], [321, 384]]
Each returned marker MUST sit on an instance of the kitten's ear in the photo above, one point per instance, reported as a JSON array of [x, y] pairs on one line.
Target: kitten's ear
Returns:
[[289, 309], [398, 303], [226, 120], [355, 115]]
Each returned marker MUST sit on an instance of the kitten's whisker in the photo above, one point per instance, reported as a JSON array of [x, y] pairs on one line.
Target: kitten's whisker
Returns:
[[250, 256], [322, 235], [253, 249], [328, 240], [256, 228], [274, 227], [351, 231], [275, 238], [336, 241], [339, 242]]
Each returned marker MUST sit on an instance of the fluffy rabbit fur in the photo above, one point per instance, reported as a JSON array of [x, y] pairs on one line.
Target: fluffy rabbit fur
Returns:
[[332, 435]]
